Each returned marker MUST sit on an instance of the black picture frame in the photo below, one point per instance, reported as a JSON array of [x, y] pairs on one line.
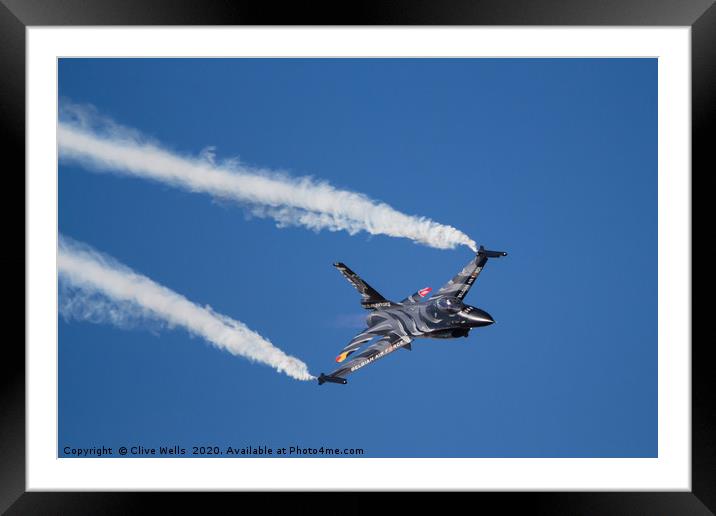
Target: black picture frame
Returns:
[[700, 15]]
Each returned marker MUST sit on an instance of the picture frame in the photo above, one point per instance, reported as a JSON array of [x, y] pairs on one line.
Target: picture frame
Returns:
[[16, 16]]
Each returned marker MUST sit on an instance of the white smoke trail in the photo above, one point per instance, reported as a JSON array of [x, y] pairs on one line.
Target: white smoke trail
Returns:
[[96, 288], [101, 144]]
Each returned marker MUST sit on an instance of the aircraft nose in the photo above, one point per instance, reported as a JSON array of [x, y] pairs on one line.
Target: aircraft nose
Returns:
[[477, 317]]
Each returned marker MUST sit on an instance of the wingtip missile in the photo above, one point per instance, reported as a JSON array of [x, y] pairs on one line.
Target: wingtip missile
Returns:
[[491, 254], [331, 379]]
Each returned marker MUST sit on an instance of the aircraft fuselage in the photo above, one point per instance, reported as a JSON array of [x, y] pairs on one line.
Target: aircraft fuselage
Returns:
[[440, 318]]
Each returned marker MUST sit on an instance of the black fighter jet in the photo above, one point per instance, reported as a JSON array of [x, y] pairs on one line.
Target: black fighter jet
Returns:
[[395, 325]]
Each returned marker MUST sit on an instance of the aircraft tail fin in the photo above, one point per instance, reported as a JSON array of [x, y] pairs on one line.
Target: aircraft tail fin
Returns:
[[370, 298]]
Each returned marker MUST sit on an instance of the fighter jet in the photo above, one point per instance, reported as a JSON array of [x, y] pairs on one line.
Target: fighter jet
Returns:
[[395, 325]]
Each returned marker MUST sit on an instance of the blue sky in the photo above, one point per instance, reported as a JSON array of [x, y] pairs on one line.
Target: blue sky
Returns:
[[552, 160]]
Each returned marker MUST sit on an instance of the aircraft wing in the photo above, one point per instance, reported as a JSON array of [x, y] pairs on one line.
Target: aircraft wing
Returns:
[[375, 351], [377, 330], [460, 285], [355, 343]]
